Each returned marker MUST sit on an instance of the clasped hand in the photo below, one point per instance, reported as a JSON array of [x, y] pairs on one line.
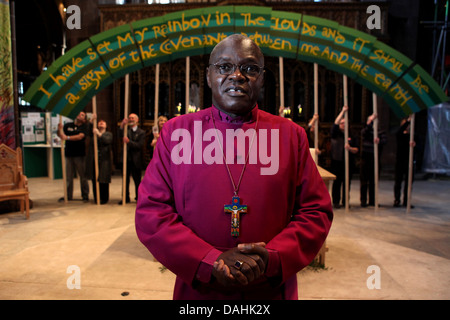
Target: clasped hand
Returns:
[[254, 258]]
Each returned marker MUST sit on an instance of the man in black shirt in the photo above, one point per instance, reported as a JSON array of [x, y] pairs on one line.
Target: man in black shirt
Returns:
[[74, 133]]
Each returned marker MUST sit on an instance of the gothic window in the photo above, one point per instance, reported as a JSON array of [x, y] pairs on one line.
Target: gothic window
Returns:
[[148, 76], [330, 102], [269, 99], [180, 97], [299, 101], [179, 86], [299, 94], [164, 90], [149, 100], [163, 109]]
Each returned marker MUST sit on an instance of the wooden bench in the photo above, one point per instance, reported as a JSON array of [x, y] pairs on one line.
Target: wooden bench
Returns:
[[13, 183]]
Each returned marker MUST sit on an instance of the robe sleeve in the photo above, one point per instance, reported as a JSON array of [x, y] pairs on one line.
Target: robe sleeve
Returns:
[[297, 245], [161, 229]]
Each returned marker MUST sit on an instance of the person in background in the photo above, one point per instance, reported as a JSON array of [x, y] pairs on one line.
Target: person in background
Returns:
[[338, 147], [134, 142], [402, 162], [311, 133], [157, 129], [74, 135], [104, 149], [367, 170]]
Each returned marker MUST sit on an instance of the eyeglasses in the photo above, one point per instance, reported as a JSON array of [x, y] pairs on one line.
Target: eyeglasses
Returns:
[[250, 70]]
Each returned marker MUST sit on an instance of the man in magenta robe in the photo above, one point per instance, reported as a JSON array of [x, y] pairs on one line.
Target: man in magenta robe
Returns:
[[232, 201]]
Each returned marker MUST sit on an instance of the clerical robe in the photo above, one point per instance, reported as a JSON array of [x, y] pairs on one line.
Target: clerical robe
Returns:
[[180, 214]]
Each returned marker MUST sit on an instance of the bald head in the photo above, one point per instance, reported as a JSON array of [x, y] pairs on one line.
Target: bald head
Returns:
[[242, 41]]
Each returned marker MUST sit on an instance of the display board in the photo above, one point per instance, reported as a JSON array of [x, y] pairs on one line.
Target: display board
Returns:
[[33, 128]]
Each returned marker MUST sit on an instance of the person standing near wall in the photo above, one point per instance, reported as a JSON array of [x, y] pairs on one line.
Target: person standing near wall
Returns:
[[74, 135]]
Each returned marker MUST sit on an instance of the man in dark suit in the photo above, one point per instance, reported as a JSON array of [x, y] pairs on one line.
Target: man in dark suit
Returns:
[[135, 143]]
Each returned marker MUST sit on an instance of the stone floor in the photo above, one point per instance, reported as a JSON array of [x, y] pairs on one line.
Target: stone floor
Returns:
[[42, 257]]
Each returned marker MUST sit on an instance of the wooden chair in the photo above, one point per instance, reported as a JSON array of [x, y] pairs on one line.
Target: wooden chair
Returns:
[[13, 183]]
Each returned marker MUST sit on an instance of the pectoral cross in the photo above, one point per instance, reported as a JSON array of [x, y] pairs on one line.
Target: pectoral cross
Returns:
[[235, 208]]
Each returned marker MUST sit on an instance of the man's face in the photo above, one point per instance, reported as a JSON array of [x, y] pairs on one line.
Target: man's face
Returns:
[[81, 116], [342, 124], [101, 124], [132, 119], [235, 93]]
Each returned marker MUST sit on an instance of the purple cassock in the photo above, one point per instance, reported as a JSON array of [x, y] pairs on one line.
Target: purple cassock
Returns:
[[181, 214]]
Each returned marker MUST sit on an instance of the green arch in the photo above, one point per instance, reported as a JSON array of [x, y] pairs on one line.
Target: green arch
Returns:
[[73, 79]]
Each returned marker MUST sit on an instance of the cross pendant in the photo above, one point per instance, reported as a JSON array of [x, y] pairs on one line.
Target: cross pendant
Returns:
[[235, 208]]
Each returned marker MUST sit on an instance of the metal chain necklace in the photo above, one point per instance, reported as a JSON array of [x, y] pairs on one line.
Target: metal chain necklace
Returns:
[[235, 208]]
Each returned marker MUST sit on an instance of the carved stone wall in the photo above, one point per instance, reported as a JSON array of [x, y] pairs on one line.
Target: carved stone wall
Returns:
[[350, 14]]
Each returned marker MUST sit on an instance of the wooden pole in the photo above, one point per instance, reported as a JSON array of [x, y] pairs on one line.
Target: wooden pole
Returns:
[[347, 180], [63, 164], [125, 132], [157, 94], [316, 111], [97, 187], [281, 66], [411, 160], [188, 71], [375, 148]]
